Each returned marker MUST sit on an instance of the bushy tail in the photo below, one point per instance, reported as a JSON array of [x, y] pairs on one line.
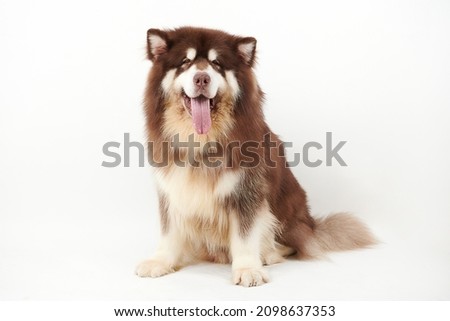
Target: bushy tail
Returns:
[[339, 232]]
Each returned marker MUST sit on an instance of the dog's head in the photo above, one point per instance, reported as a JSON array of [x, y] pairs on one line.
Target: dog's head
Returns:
[[201, 74]]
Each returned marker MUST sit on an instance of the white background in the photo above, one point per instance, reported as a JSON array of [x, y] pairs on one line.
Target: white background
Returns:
[[72, 75]]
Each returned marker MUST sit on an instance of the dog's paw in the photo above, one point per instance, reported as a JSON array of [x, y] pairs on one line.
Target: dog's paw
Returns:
[[272, 258], [153, 269], [250, 277]]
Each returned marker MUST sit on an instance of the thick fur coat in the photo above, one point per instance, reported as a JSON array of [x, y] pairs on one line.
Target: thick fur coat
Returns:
[[228, 195]]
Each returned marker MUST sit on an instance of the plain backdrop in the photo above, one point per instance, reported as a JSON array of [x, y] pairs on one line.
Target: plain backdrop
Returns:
[[374, 73]]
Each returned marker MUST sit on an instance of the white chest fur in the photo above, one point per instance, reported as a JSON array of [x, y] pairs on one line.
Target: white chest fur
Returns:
[[195, 192], [195, 202]]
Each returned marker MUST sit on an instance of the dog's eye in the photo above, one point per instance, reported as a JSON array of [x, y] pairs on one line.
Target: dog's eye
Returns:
[[186, 61], [216, 63]]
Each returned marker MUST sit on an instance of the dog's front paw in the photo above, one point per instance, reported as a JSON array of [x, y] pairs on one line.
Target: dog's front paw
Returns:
[[250, 277], [153, 269]]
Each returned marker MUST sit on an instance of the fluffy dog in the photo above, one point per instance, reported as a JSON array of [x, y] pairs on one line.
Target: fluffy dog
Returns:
[[225, 191]]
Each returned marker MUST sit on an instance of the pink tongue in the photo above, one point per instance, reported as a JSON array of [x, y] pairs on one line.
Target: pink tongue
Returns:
[[201, 114]]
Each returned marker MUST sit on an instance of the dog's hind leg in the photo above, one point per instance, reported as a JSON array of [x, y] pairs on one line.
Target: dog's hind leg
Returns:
[[277, 253]]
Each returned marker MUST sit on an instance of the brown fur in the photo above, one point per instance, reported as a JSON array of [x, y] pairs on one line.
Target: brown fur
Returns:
[[241, 120]]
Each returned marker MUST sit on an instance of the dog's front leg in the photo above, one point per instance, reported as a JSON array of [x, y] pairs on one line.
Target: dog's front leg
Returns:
[[167, 258], [247, 245]]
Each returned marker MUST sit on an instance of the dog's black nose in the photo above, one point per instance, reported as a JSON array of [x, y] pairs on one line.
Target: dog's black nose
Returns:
[[201, 79]]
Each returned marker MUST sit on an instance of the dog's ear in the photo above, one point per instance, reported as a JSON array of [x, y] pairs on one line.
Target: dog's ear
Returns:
[[246, 48], [157, 43]]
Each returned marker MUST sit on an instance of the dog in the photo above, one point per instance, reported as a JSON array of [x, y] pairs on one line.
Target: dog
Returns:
[[246, 208]]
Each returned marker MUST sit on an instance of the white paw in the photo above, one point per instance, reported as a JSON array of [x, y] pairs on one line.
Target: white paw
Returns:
[[153, 269], [250, 277]]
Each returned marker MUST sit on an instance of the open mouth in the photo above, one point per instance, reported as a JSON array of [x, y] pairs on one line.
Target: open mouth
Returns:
[[199, 108], [188, 102]]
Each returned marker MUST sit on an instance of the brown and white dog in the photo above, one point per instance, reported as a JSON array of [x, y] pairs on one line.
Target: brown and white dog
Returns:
[[246, 207]]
